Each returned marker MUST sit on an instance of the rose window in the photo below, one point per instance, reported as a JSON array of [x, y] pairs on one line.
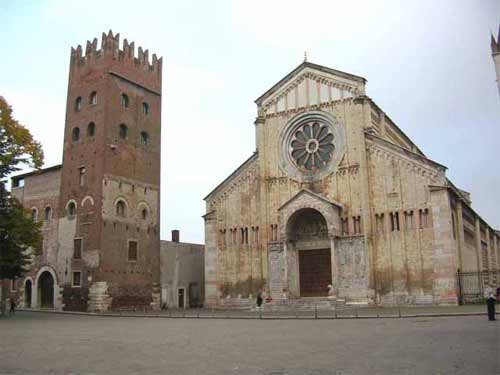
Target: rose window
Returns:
[[312, 146]]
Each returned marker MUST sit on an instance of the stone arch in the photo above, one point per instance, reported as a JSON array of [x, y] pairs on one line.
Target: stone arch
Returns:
[[120, 210], [28, 292], [68, 207], [306, 224], [141, 206], [87, 198], [47, 289]]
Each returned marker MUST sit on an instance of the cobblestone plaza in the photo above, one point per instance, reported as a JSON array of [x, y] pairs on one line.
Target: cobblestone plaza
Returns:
[[40, 343]]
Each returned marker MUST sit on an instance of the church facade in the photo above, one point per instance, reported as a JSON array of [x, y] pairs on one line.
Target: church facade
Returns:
[[338, 202]]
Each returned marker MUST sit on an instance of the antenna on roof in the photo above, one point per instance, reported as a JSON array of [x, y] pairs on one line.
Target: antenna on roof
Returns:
[[305, 56]]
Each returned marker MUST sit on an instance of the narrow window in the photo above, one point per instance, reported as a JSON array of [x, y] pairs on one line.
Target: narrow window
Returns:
[[408, 220], [423, 218], [145, 108], [394, 221], [76, 134], [93, 98], [77, 248], [13, 285], [144, 213], [48, 213], [345, 226], [124, 100], [123, 131], [397, 220], [78, 104], [72, 209], [77, 279], [120, 209], [132, 251], [91, 130], [34, 214], [379, 220], [144, 138], [82, 176]]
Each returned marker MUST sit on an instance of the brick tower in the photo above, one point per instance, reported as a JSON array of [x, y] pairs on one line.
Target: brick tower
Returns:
[[110, 181]]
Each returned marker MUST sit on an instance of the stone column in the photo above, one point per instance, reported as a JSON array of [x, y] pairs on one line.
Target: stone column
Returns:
[[285, 265], [335, 273], [478, 245], [460, 234]]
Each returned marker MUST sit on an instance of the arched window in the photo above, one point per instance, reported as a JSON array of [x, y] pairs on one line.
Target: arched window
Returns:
[[34, 214], [144, 138], [90, 129], [123, 131], [121, 209], [144, 213], [78, 103], [93, 98], [124, 100], [71, 209], [48, 213], [145, 108], [76, 134]]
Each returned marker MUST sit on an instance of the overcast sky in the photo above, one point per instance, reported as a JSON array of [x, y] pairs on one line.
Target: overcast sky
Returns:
[[428, 66]]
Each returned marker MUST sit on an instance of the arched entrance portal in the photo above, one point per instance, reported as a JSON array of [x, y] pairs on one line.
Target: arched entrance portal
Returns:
[[27, 293], [307, 236], [46, 290]]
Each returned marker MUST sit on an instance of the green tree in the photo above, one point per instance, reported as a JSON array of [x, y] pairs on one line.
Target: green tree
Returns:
[[20, 235]]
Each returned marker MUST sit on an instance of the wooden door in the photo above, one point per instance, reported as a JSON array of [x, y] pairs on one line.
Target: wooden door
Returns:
[[315, 268]]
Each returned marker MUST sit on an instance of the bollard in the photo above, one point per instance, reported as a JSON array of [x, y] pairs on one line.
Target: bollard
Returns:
[[315, 311], [260, 312], [399, 310], [356, 309]]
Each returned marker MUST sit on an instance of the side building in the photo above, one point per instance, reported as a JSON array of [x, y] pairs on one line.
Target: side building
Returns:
[[100, 207]]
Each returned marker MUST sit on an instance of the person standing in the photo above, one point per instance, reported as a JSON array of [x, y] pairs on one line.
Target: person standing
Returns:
[[490, 302], [12, 307], [259, 299]]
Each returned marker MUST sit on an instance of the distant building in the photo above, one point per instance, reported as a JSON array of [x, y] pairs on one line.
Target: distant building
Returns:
[[182, 273]]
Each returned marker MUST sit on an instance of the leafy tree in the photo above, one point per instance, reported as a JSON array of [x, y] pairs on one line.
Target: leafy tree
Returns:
[[17, 146], [20, 235]]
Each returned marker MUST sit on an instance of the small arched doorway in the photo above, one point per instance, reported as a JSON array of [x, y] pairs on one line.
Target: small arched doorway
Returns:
[[46, 290], [307, 234], [27, 293]]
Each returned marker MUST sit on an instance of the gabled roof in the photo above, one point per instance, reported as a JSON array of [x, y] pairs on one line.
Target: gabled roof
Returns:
[[232, 175], [301, 67], [311, 193]]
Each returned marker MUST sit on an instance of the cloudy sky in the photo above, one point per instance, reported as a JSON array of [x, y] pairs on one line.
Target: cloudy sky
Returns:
[[428, 65]]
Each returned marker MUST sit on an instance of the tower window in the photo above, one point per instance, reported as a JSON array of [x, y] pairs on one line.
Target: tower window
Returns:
[[124, 100], [82, 175], [71, 209], [123, 131], [78, 104], [91, 130], [77, 248], [145, 108], [48, 213], [93, 98], [77, 279], [76, 134], [120, 209], [144, 213], [144, 138], [132, 251]]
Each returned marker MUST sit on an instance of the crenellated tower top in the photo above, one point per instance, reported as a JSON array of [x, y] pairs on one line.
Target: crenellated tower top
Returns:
[[110, 55]]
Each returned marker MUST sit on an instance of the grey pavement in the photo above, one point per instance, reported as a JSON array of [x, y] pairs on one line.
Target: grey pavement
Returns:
[[41, 343]]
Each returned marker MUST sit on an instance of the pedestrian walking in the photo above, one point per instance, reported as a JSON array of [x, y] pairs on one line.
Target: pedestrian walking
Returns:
[[490, 302], [12, 307], [259, 299]]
